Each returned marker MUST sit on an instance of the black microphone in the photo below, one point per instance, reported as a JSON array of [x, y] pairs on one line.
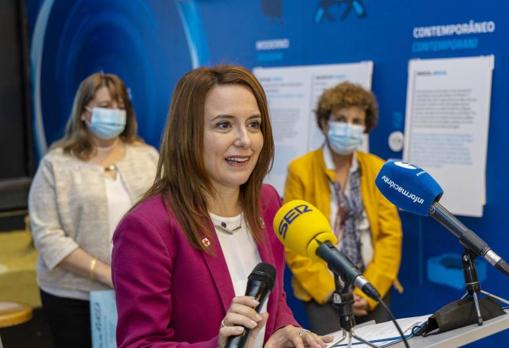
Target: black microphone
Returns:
[[340, 264], [414, 190], [259, 284]]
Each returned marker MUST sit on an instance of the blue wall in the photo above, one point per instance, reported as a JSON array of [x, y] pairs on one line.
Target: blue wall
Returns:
[[150, 44]]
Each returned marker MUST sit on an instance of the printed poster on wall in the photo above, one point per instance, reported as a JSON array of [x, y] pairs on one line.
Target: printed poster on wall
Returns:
[[446, 127], [293, 93]]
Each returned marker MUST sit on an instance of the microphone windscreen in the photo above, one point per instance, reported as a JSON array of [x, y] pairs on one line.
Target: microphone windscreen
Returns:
[[300, 226], [408, 187], [264, 272]]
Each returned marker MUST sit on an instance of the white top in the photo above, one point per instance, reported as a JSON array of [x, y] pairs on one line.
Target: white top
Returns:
[[241, 255], [68, 205], [119, 201], [363, 223]]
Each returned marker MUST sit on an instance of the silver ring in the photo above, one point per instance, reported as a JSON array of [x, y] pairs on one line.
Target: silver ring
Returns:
[[302, 332]]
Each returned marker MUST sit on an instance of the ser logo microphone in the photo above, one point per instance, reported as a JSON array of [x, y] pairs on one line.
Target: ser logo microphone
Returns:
[[290, 216]]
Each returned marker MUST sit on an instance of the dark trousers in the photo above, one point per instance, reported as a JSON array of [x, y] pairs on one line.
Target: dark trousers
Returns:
[[324, 319], [69, 321]]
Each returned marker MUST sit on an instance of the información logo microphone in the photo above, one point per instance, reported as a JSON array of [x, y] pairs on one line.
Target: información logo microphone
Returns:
[[402, 190]]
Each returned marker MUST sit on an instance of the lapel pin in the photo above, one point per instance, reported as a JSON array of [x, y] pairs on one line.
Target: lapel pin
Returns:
[[206, 242], [262, 222]]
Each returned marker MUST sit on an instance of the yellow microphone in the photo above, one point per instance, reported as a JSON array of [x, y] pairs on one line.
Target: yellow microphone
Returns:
[[302, 228], [299, 225]]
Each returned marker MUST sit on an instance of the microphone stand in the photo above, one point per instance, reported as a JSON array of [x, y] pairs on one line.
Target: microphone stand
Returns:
[[470, 308], [342, 298], [473, 287]]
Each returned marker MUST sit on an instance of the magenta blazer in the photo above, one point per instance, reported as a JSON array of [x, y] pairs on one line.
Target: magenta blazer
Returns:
[[170, 294]]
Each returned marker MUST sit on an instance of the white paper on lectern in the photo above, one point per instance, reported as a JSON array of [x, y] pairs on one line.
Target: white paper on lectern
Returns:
[[380, 334], [293, 94], [446, 127]]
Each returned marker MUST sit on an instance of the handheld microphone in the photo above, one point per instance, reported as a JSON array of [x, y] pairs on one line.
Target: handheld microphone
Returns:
[[259, 284], [414, 190], [301, 227]]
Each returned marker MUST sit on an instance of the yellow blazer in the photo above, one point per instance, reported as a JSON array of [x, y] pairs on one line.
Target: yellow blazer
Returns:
[[307, 180]]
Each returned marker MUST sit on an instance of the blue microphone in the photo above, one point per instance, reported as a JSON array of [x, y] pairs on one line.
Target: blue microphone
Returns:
[[408, 187], [412, 189]]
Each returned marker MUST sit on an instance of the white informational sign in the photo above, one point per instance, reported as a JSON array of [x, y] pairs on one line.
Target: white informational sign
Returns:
[[293, 93], [446, 127], [103, 318]]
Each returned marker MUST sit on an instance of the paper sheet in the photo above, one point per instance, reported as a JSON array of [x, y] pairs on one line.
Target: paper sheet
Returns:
[[379, 334], [446, 127]]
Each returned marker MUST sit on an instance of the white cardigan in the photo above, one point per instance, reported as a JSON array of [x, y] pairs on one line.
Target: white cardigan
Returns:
[[68, 209]]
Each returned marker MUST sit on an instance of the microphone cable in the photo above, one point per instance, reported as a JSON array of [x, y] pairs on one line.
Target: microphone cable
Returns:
[[393, 319]]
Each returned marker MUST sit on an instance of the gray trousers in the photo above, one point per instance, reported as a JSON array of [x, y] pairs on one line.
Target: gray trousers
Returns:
[[324, 319]]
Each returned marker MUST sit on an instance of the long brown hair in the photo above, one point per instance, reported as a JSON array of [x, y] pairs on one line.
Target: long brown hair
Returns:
[[181, 175], [76, 140]]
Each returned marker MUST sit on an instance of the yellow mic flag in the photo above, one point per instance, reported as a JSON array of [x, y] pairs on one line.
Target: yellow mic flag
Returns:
[[301, 227]]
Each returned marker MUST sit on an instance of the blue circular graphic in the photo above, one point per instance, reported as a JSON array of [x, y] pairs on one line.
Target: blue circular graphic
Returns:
[[149, 44]]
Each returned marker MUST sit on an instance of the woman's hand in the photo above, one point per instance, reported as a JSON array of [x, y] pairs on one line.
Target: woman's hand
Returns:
[[360, 306], [242, 314], [297, 337]]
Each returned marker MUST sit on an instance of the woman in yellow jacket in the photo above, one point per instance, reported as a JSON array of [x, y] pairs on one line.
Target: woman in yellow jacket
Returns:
[[340, 181]]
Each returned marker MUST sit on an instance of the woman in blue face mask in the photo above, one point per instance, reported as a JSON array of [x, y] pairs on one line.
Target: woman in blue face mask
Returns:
[[81, 190], [340, 181]]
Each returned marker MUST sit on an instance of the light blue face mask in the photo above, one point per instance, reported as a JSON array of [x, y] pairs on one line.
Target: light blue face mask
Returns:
[[344, 138], [107, 123]]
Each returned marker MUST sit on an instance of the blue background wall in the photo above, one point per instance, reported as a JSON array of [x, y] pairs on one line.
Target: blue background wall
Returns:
[[150, 44]]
